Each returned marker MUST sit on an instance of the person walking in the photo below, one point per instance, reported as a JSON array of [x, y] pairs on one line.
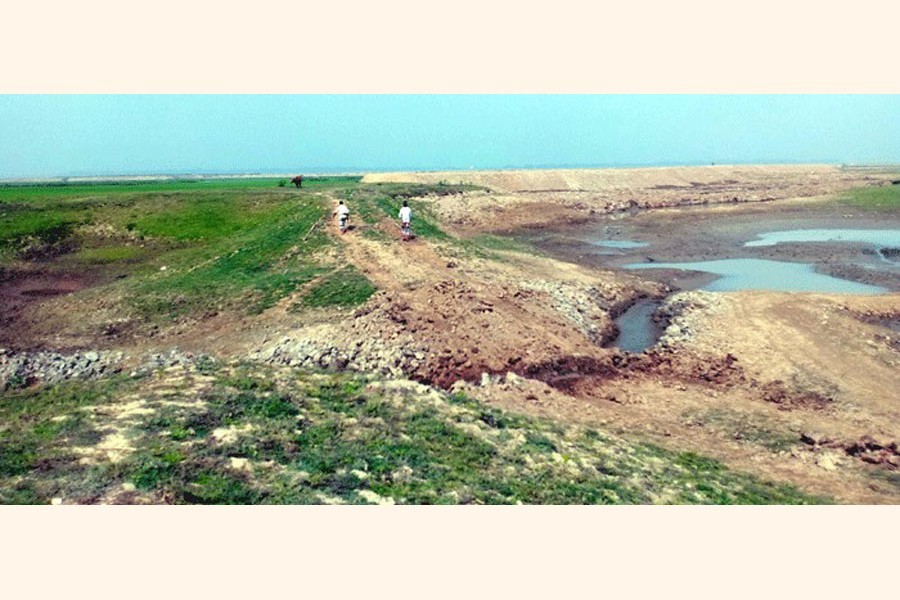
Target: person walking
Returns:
[[343, 215], [405, 220]]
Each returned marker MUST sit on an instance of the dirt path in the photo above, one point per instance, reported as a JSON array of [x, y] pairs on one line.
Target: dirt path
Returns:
[[468, 316]]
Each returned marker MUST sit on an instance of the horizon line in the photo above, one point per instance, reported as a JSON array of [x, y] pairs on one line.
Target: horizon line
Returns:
[[352, 171]]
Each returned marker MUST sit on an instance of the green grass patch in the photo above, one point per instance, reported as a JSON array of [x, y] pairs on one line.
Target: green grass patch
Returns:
[[883, 198], [255, 266], [211, 217], [344, 287], [307, 438], [38, 430], [48, 226], [109, 255]]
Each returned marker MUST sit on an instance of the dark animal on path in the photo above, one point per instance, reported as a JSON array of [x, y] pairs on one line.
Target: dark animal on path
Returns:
[[298, 180]]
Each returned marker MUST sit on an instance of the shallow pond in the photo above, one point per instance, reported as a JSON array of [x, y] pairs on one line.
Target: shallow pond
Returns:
[[756, 274], [626, 244], [876, 237], [638, 331]]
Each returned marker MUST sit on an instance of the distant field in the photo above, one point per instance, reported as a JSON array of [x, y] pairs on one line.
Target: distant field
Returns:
[[169, 185], [175, 248]]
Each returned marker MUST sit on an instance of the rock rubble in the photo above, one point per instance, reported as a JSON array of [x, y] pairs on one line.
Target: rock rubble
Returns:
[[21, 369]]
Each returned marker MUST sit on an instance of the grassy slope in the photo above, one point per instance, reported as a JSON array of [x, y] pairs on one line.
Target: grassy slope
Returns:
[[49, 205], [310, 438], [186, 248]]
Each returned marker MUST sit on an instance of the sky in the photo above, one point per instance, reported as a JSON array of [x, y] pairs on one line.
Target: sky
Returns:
[[70, 135]]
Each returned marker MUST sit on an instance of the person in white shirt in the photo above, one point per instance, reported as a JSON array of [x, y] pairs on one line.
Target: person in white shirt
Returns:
[[405, 219], [342, 213]]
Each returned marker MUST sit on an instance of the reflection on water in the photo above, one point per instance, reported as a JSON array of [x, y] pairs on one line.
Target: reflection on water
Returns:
[[754, 274], [876, 237], [638, 332], [619, 244]]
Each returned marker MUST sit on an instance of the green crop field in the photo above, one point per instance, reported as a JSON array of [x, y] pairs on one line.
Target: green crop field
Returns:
[[182, 247]]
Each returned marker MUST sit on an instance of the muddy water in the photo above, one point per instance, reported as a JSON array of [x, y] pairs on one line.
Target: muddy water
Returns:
[[886, 241], [618, 244], [637, 330], [755, 274]]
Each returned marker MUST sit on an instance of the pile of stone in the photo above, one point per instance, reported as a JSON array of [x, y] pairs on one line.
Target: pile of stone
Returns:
[[682, 312], [394, 357], [172, 358], [22, 369], [587, 307]]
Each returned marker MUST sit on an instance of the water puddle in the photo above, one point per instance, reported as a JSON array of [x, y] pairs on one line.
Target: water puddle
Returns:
[[619, 244], [756, 274], [637, 331], [877, 237]]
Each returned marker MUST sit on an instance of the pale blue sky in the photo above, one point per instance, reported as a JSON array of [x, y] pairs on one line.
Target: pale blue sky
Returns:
[[132, 134]]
